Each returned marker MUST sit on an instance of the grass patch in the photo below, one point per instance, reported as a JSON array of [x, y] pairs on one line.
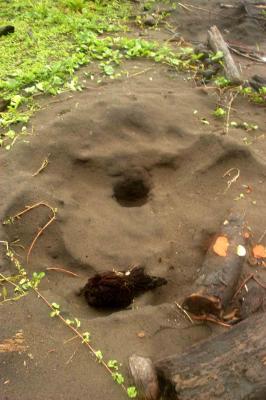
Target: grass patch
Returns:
[[54, 38]]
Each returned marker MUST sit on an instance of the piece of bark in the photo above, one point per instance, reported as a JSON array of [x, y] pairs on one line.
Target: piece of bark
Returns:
[[251, 299], [217, 43], [230, 366], [219, 275]]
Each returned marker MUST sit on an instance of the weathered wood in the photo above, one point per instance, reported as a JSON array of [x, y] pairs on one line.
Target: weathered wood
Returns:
[[231, 366], [219, 275], [144, 376], [251, 301], [217, 43]]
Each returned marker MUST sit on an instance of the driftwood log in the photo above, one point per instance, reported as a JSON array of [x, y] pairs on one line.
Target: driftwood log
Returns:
[[219, 275], [217, 43], [231, 366]]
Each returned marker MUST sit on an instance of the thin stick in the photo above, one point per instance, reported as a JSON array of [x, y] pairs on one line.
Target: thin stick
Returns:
[[70, 340], [42, 167], [71, 357], [210, 319], [38, 235], [183, 6], [139, 72], [229, 106], [250, 276], [245, 55], [62, 270], [234, 179], [262, 237], [258, 282], [184, 312], [29, 208]]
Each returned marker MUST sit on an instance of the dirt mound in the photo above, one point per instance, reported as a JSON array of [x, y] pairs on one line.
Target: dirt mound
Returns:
[[136, 178]]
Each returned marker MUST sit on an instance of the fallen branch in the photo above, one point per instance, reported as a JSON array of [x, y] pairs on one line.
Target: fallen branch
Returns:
[[217, 43], [230, 366], [220, 272]]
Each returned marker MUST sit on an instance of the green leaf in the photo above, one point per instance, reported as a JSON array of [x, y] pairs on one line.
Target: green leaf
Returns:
[[99, 355], [108, 70], [78, 323], [86, 337], [132, 392], [113, 364], [118, 378], [219, 112]]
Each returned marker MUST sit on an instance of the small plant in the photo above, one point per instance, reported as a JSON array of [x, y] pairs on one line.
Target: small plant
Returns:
[[222, 81], [219, 112], [22, 288], [217, 56]]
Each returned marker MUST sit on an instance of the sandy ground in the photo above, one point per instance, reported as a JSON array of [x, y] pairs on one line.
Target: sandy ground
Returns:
[[144, 124]]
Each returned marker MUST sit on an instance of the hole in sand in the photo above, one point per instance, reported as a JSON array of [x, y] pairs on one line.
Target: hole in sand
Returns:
[[132, 190]]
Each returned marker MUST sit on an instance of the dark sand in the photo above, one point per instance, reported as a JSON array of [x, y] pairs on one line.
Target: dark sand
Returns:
[[143, 125]]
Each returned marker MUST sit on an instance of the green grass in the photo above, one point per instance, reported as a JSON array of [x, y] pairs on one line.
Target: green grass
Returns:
[[51, 41]]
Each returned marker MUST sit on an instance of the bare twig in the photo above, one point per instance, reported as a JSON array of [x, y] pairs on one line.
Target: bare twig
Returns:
[[229, 106], [184, 312], [71, 357], [185, 7], [62, 270], [262, 237], [42, 167], [232, 180], [139, 72], [245, 55], [40, 232], [245, 281], [210, 319], [70, 340]]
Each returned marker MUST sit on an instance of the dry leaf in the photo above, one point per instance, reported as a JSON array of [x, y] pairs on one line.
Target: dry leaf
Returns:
[[259, 251], [220, 246]]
